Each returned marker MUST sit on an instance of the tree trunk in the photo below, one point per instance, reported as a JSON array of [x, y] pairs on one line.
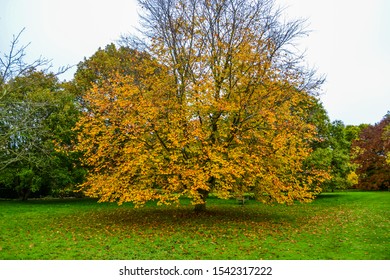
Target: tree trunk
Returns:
[[201, 207], [24, 194]]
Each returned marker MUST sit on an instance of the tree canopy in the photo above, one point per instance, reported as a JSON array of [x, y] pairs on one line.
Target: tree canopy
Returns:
[[35, 111], [371, 150], [218, 104]]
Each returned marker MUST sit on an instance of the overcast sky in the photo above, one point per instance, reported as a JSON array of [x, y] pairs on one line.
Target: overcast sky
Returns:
[[349, 43]]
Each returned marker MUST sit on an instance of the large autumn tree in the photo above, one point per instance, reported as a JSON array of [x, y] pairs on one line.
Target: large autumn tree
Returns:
[[370, 154], [218, 104]]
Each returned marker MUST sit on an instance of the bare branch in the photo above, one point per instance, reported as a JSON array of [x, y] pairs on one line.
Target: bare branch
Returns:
[[13, 64]]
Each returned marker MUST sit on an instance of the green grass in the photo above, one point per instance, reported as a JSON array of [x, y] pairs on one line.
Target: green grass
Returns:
[[345, 225]]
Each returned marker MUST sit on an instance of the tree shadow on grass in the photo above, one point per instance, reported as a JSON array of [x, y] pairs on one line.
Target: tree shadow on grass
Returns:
[[89, 213], [182, 216], [329, 196]]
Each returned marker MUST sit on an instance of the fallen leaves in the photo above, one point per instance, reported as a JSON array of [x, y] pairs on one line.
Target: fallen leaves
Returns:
[[225, 231]]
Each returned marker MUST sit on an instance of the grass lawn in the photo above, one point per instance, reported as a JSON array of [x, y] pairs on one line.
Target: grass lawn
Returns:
[[343, 225]]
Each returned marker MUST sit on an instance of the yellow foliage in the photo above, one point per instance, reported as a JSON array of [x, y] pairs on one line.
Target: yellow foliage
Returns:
[[352, 179], [142, 145], [214, 115]]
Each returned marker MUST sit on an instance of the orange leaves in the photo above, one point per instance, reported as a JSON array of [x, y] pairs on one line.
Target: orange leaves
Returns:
[[217, 111], [138, 153]]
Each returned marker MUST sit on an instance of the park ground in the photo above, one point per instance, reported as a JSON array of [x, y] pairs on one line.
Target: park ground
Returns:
[[340, 225]]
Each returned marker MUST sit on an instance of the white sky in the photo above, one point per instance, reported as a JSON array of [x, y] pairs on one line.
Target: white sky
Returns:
[[349, 43]]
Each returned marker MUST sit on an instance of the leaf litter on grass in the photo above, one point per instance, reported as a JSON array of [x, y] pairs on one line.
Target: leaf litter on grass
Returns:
[[320, 230]]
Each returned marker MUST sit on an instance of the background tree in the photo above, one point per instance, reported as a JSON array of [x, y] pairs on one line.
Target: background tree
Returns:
[[35, 110], [331, 150], [342, 169], [370, 152], [103, 65], [386, 138], [220, 106]]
